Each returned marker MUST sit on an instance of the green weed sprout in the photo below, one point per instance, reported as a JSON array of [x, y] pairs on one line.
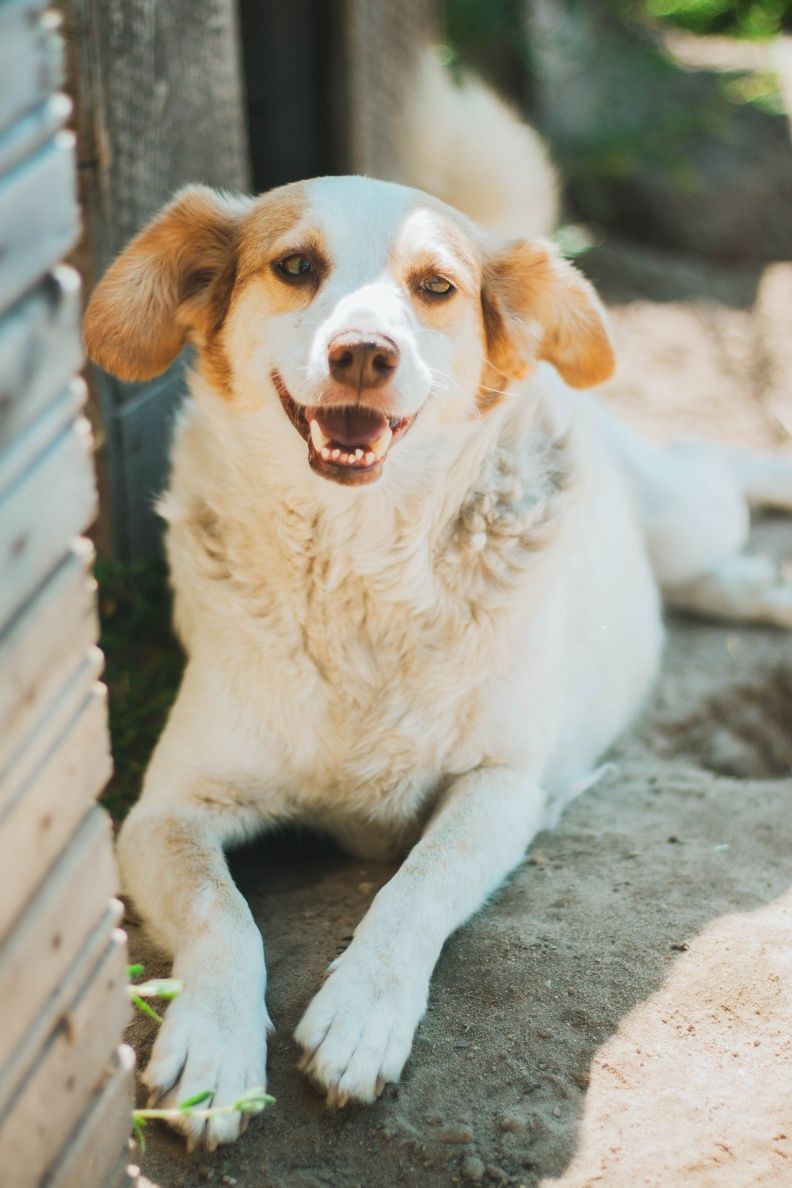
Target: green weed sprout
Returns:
[[154, 988], [253, 1101]]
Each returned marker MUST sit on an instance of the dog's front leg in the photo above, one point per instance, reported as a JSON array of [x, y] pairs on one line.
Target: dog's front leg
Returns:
[[214, 1034], [358, 1030]]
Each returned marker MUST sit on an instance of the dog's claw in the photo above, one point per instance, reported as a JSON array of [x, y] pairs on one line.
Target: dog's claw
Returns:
[[336, 1098]]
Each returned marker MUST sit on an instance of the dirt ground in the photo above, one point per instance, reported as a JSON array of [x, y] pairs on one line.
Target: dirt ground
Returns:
[[621, 1013]]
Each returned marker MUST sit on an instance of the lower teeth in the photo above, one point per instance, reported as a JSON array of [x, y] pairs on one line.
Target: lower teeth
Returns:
[[357, 459]]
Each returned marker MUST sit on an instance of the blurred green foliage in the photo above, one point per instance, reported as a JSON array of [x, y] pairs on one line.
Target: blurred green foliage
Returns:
[[737, 18], [469, 22], [143, 666]]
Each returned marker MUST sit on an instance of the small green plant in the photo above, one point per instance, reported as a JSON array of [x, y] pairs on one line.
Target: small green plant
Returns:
[[253, 1101], [155, 988]]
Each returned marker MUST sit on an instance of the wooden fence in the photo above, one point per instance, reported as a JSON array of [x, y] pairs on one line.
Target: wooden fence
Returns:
[[65, 1083]]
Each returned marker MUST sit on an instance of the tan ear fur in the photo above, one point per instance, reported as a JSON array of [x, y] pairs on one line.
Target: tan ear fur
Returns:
[[538, 306], [175, 277]]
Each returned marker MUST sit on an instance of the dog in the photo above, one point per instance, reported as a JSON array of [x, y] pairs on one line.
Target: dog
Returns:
[[417, 572]]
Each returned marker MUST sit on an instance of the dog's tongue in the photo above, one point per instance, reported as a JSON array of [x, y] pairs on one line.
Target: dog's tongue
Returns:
[[349, 426]]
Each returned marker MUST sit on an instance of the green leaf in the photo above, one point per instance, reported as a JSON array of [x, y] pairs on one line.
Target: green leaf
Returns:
[[254, 1101], [190, 1102], [144, 1006], [138, 1124], [134, 971]]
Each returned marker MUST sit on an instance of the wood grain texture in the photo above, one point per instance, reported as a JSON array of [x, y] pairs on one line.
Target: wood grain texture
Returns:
[[381, 42], [39, 820], [91, 1153], [31, 57], [39, 218], [72, 1063], [46, 938], [50, 640], [37, 528], [39, 351]]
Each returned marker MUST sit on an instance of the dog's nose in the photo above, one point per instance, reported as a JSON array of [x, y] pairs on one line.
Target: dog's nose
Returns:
[[362, 362]]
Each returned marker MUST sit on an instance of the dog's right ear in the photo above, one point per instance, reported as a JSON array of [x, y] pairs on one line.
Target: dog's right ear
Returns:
[[171, 281]]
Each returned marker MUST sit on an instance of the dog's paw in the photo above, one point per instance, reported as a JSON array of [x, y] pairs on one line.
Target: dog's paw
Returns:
[[358, 1030], [204, 1047]]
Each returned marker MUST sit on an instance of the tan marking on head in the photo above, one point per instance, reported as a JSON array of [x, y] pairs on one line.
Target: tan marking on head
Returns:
[[178, 278], [536, 305]]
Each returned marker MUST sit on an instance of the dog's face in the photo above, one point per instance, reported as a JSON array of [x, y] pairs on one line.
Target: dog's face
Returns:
[[360, 313]]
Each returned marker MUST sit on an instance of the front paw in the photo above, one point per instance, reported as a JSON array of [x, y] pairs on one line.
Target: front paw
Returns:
[[208, 1044], [358, 1030]]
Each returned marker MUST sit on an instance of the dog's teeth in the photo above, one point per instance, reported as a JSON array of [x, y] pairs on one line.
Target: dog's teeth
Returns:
[[345, 459], [370, 458], [335, 455], [325, 453], [381, 444], [358, 453], [317, 437]]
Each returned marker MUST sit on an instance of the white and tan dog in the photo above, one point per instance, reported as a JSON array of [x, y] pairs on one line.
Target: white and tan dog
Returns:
[[416, 576]]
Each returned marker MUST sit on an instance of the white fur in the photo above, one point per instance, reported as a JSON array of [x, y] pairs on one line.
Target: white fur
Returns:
[[434, 662]]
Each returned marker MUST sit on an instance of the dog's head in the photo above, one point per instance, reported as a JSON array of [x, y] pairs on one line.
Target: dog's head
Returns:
[[357, 308]]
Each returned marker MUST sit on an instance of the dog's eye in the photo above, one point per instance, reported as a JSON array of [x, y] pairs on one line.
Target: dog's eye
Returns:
[[438, 286], [296, 267]]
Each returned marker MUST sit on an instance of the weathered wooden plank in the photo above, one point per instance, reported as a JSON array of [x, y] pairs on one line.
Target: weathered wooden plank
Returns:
[[33, 130], [91, 1154], [166, 92], [72, 1063], [39, 218], [29, 445], [31, 57], [381, 42], [41, 513], [41, 813], [39, 350], [48, 641], [28, 754], [53, 927]]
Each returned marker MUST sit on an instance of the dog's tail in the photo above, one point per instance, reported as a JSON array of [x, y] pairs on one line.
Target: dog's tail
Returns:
[[465, 145]]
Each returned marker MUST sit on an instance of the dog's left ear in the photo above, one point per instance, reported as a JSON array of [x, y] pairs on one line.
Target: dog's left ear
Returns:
[[170, 283], [536, 305]]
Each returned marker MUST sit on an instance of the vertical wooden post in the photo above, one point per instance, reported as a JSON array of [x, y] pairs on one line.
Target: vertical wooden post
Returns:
[[65, 1083], [159, 102]]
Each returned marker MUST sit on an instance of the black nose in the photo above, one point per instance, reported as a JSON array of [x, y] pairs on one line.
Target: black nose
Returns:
[[362, 362]]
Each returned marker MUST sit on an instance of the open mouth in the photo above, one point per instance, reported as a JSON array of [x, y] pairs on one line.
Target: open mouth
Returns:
[[346, 443]]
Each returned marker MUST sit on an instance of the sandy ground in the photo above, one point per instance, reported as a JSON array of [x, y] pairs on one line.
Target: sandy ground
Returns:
[[621, 1013]]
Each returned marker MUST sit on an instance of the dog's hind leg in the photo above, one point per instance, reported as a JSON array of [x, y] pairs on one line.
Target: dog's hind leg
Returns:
[[720, 484], [765, 480], [693, 499], [742, 588]]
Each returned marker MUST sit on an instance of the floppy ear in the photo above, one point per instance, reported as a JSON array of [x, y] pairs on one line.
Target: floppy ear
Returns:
[[174, 278], [538, 306]]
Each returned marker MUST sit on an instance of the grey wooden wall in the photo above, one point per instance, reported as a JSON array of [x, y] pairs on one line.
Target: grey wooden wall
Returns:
[[158, 92], [65, 1083]]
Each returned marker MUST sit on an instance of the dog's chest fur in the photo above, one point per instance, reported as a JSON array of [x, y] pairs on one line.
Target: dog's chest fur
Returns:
[[370, 642]]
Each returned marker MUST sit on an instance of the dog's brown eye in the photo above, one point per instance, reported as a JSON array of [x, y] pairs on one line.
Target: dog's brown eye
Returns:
[[296, 267], [438, 286]]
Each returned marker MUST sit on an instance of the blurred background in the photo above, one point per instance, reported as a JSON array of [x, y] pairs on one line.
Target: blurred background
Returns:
[[667, 119]]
